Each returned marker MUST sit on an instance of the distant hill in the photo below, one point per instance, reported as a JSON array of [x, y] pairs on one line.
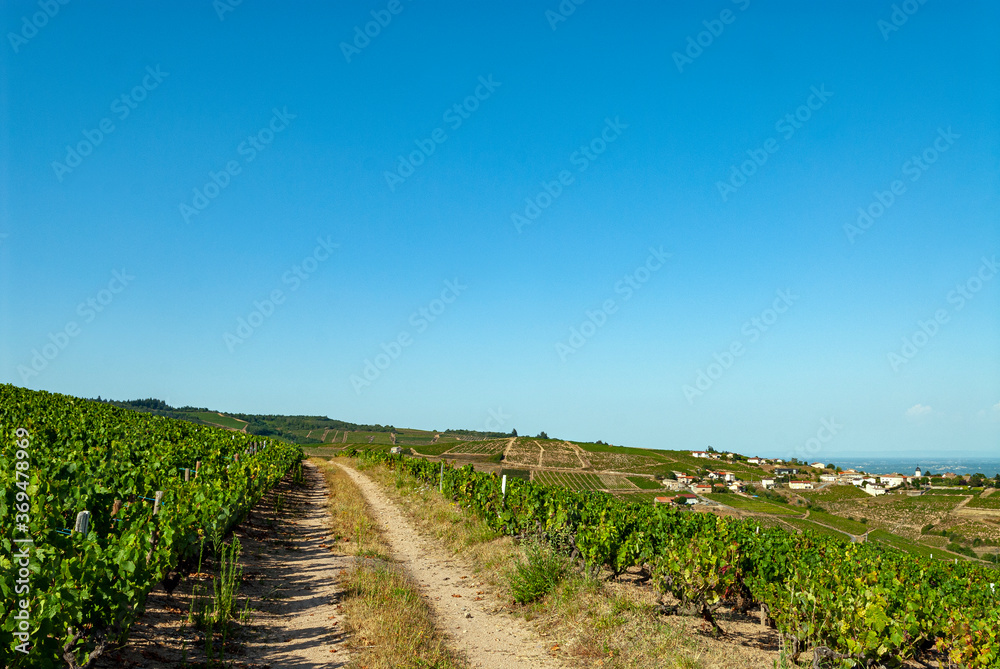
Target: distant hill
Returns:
[[297, 429]]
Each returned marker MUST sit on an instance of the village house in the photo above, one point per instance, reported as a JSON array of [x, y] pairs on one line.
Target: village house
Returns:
[[767, 483], [757, 461], [685, 499], [700, 454], [818, 465], [892, 480], [874, 490], [702, 488], [785, 471], [829, 478], [800, 485]]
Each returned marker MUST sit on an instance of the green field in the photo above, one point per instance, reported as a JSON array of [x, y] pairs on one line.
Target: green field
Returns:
[[815, 527], [839, 522], [645, 483], [491, 447], [991, 502], [752, 505], [908, 546], [834, 493], [570, 480], [967, 492], [432, 449], [644, 497], [363, 437], [216, 419]]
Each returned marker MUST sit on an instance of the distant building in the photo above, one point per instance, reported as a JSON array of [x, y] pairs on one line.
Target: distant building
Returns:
[[874, 490], [767, 483], [757, 461], [800, 485], [818, 465], [917, 474], [396, 450], [785, 471], [892, 480], [701, 488], [829, 478], [700, 454]]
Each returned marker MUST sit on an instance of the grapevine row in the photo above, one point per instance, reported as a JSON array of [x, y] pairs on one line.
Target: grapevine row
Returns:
[[60, 455], [854, 604]]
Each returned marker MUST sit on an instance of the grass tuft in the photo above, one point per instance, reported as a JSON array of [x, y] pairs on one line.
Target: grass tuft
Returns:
[[542, 570]]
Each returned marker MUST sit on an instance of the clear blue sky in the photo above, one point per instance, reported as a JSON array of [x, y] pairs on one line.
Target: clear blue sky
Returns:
[[602, 169]]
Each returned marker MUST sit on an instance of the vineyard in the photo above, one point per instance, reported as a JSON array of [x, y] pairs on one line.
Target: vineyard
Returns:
[[99, 503], [480, 447], [850, 604]]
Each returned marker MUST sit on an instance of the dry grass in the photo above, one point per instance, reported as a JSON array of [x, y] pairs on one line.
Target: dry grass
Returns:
[[594, 622], [389, 625]]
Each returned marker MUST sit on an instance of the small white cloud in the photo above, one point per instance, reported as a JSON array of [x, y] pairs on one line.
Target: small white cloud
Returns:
[[918, 410], [996, 407]]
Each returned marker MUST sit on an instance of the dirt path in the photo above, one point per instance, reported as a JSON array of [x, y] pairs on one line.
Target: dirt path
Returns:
[[584, 462], [541, 452], [965, 500], [290, 581], [510, 444], [488, 639], [303, 616]]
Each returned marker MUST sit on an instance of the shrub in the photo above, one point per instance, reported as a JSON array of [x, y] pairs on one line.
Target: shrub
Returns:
[[531, 580]]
